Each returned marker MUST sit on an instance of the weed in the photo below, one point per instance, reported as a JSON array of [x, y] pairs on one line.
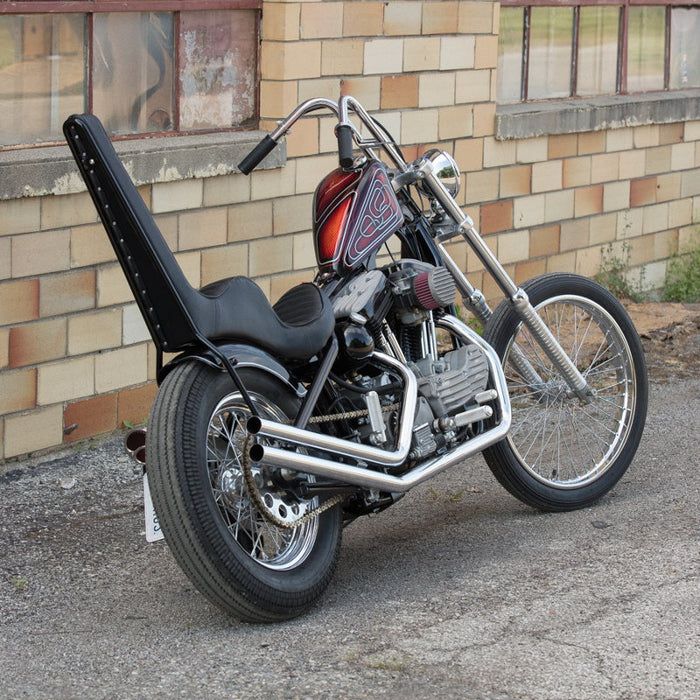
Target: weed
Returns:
[[683, 277], [613, 274], [19, 582]]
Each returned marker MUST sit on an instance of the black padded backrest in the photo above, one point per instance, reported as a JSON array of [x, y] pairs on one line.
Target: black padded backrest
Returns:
[[167, 300]]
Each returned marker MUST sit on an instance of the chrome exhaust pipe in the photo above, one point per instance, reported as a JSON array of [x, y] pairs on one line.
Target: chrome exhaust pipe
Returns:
[[348, 448], [135, 445], [368, 478]]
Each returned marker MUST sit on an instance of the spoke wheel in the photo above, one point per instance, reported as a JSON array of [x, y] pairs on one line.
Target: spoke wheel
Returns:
[[562, 453], [249, 567]]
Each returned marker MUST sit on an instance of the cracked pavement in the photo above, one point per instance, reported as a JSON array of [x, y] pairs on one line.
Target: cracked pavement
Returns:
[[457, 591]]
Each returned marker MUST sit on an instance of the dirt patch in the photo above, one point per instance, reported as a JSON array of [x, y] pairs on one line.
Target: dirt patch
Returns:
[[670, 335]]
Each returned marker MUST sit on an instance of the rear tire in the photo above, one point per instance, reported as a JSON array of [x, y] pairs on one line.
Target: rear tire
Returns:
[[248, 567], [561, 454]]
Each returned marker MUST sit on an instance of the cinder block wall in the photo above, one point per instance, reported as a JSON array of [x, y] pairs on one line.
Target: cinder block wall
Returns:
[[75, 357]]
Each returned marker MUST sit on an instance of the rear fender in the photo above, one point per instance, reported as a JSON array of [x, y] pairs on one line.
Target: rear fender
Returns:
[[241, 356]]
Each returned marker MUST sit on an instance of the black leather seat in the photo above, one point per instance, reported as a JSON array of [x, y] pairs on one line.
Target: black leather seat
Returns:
[[178, 315]]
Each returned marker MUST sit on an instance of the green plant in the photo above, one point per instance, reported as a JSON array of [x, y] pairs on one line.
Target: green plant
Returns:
[[683, 277], [613, 273], [19, 582]]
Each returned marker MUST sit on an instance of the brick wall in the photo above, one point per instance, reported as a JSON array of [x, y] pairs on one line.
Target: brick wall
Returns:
[[75, 358]]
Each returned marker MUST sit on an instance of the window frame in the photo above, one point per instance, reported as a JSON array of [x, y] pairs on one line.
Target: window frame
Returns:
[[621, 78], [92, 7]]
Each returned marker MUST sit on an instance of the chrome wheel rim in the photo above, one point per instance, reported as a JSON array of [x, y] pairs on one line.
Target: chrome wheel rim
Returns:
[[558, 440], [271, 546]]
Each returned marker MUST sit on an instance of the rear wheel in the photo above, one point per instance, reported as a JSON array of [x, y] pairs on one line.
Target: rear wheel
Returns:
[[245, 564], [560, 453]]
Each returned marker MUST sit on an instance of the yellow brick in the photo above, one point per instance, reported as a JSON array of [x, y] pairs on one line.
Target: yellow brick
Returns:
[[682, 156], [175, 196], [112, 287], [476, 18], [365, 89], [221, 263], [33, 431], [303, 254], [4, 347], [605, 167], [454, 122], [134, 329], [363, 18], [279, 284], [227, 189], [631, 164], [484, 119], [602, 229], [277, 98], [320, 20], [565, 262], [646, 136], [383, 56], [20, 215], [270, 255], [680, 214], [486, 52], [655, 218], [167, 223], [204, 228], [588, 261], [280, 21], [577, 172], [17, 390], [513, 247], [419, 126], [558, 205], [291, 214], [251, 220], [402, 18], [39, 253], [436, 89], [658, 160], [529, 211], [311, 170], [291, 61], [191, 264], [319, 87], [457, 52], [67, 210], [629, 223], [481, 186], [440, 17], [473, 86], [420, 54], [547, 175], [619, 139], [616, 195], [691, 131], [89, 245], [98, 330], [574, 234], [63, 381], [121, 368], [5, 258], [469, 154], [532, 150], [688, 240], [498, 153], [342, 57], [266, 184], [303, 140]]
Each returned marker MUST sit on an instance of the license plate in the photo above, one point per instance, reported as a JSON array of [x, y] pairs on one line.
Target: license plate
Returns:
[[153, 531]]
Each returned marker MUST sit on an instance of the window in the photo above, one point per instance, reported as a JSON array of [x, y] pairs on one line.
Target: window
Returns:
[[158, 66], [586, 48]]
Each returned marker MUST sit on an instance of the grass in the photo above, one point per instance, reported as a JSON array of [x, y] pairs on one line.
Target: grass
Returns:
[[683, 277]]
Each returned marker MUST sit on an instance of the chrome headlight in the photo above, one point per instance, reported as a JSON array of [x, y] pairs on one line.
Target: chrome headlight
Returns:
[[445, 169]]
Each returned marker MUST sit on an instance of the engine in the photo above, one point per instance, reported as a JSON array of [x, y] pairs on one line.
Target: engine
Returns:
[[392, 309]]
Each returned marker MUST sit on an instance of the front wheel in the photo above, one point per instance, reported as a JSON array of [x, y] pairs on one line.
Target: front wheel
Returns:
[[242, 561], [563, 454]]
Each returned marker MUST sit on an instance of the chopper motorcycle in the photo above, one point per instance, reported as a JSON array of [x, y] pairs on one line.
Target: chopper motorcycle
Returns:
[[275, 426]]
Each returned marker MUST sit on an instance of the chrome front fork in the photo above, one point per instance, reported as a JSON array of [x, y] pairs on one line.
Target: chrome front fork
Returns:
[[475, 299]]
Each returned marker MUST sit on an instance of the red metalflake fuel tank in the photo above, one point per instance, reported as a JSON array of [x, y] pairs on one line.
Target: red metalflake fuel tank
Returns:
[[355, 212]]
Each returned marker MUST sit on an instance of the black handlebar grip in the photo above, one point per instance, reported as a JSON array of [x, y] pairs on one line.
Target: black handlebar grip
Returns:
[[345, 146], [252, 160]]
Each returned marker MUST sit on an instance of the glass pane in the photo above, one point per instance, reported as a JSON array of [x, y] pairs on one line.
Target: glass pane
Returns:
[[42, 75], [646, 46], [510, 54], [551, 34], [217, 68], [685, 48], [133, 71], [597, 51]]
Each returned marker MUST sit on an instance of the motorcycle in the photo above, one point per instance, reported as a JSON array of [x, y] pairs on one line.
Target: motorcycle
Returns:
[[275, 426]]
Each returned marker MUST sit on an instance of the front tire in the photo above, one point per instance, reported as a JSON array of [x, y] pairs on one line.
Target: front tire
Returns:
[[561, 454], [252, 569]]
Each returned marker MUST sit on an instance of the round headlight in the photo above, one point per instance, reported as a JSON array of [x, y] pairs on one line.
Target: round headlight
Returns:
[[445, 169]]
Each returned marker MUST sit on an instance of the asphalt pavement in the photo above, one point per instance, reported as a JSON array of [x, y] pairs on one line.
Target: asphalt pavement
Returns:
[[458, 591]]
